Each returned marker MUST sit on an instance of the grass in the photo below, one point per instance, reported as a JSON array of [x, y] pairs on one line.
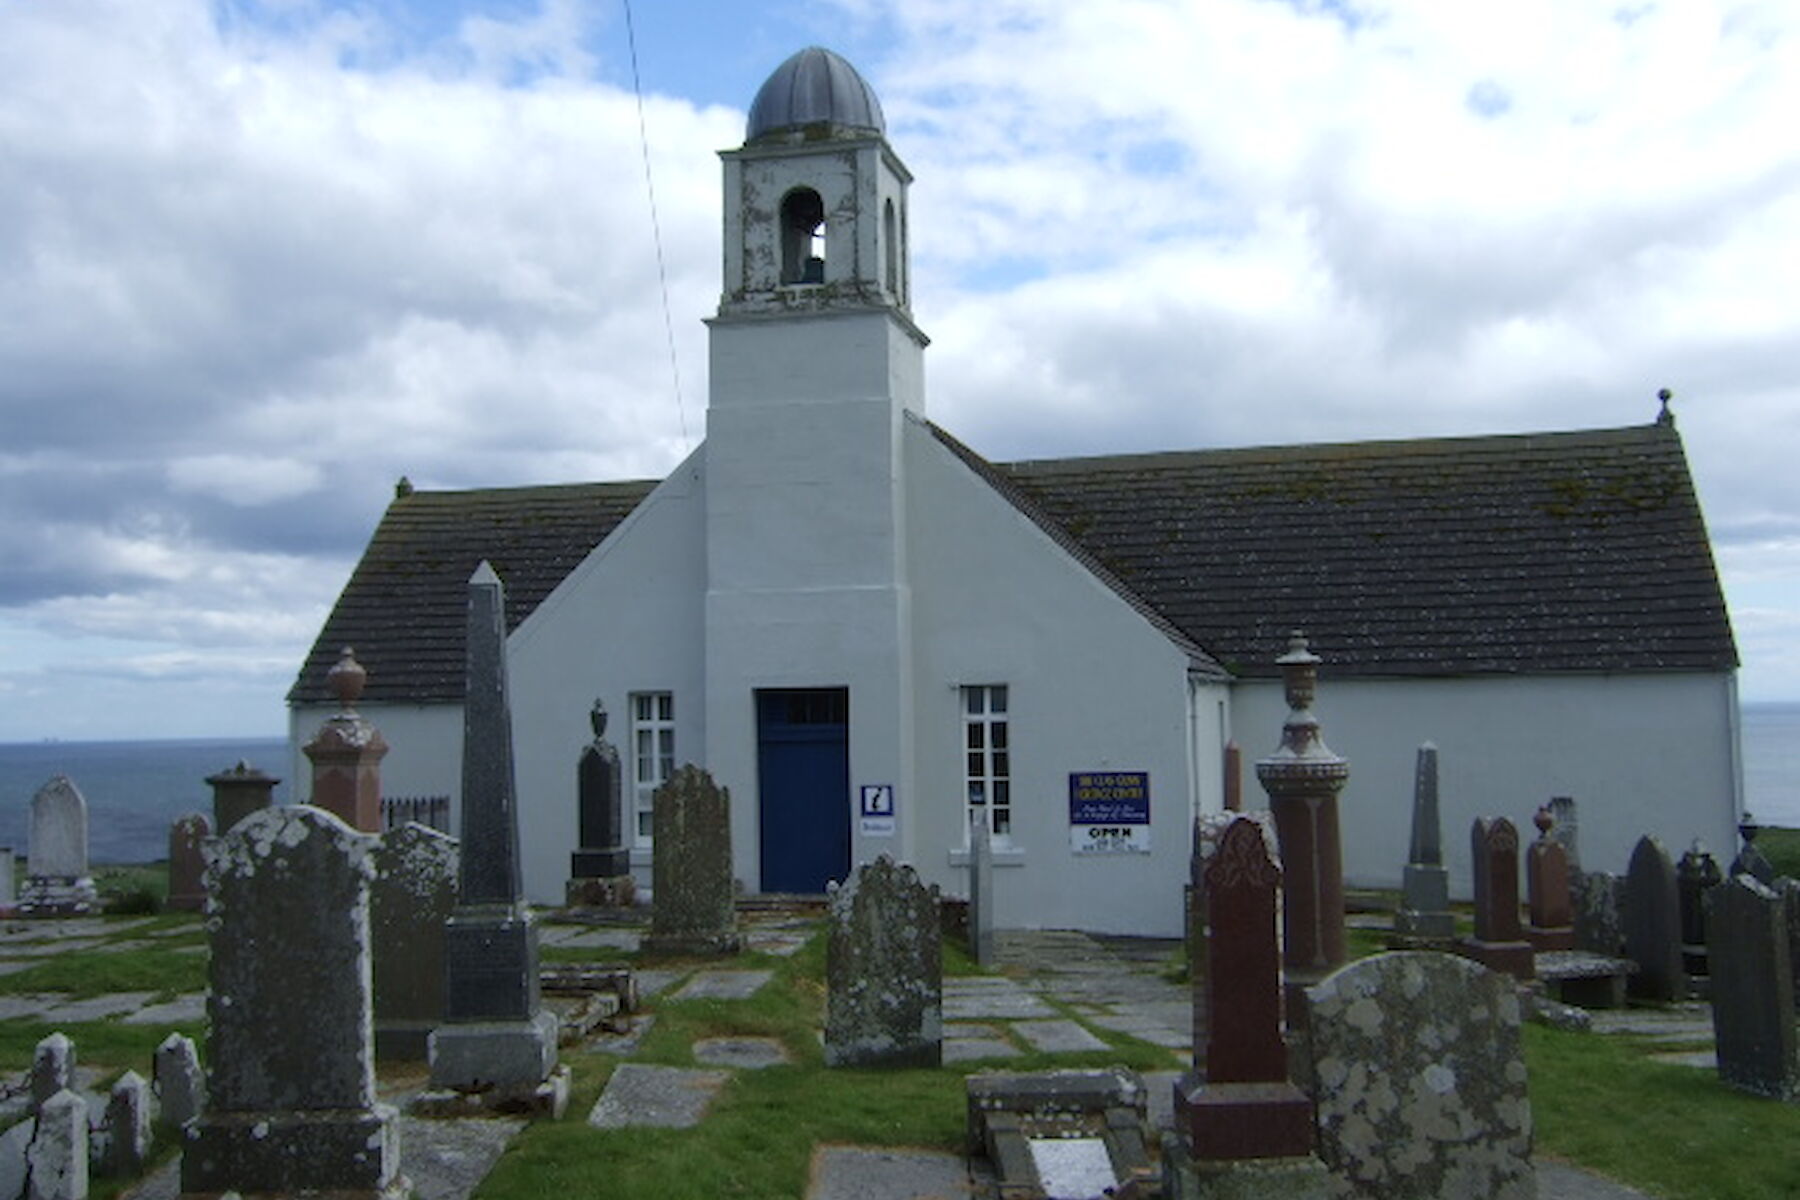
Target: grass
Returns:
[[1782, 848]]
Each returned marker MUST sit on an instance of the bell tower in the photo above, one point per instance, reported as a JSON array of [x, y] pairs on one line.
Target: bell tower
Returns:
[[816, 371]]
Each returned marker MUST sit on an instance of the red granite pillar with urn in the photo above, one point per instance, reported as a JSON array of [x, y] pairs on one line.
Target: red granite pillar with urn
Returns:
[[346, 754]]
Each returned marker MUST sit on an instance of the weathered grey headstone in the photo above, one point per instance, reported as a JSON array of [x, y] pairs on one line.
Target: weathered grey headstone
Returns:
[[1789, 889], [1752, 989], [1599, 929], [128, 1126], [56, 1163], [178, 1081], [1651, 910], [57, 882], [1750, 860], [1566, 832], [599, 792], [52, 1068], [981, 890], [884, 970], [413, 896], [1424, 913], [7, 883], [498, 1041], [291, 1098], [187, 862], [1420, 1076], [695, 906]]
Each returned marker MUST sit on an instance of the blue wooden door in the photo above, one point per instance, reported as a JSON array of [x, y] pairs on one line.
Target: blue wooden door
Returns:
[[803, 777]]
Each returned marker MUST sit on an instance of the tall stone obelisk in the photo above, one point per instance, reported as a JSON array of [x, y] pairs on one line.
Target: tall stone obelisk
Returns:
[[498, 1041]]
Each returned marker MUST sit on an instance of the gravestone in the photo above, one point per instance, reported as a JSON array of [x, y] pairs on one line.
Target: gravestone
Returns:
[[128, 1126], [1566, 832], [884, 969], [1599, 928], [695, 911], [1303, 778], [981, 890], [237, 792], [291, 1098], [1234, 777], [1789, 889], [1695, 875], [178, 1081], [1651, 911], [1243, 1106], [1499, 940], [1547, 889], [57, 883], [187, 862], [52, 1068], [603, 859], [1423, 917], [7, 867], [347, 751], [1420, 1075], [56, 1162], [498, 1042], [1752, 989], [1751, 861], [411, 901]]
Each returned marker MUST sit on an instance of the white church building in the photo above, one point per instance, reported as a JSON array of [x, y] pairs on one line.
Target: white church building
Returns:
[[869, 633]]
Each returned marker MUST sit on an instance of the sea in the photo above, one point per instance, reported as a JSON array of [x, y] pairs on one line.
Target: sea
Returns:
[[135, 790]]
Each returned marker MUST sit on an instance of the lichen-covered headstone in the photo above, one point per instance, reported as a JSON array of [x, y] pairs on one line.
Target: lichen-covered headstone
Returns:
[[695, 905], [1752, 989], [1598, 926], [291, 1099], [1424, 912], [128, 1126], [413, 896], [178, 1081], [884, 970], [56, 1162], [57, 882], [1421, 1085], [187, 862], [1651, 911]]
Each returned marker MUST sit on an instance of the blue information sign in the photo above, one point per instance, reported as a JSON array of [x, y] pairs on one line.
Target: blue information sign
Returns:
[[1109, 798]]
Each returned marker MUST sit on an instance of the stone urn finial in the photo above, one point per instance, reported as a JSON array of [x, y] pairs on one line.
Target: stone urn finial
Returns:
[[1544, 819], [597, 718], [346, 679]]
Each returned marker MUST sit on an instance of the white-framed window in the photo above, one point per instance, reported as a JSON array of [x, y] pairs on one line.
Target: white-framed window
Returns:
[[652, 754], [987, 756]]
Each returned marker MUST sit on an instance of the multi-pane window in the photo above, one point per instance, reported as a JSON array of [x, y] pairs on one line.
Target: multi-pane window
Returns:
[[652, 753], [987, 757]]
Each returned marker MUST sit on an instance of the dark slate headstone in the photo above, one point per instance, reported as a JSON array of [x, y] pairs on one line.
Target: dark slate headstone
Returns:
[[497, 1039], [1751, 861], [1424, 913], [1547, 889], [1696, 874], [1244, 1107], [187, 862], [1752, 989], [1420, 1074], [1499, 940], [981, 890], [884, 970], [1599, 928], [695, 903], [1651, 910], [291, 1099], [57, 882], [1789, 890], [600, 807], [413, 896]]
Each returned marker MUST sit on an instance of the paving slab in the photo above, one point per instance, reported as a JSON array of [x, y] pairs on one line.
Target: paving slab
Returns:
[[661, 1097], [744, 1053], [1144, 1029], [28, 1005], [44, 949], [184, 1009], [588, 937], [994, 998], [97, 1008], [971, 1049], [654, 981], [1058, 1036], [723, 985], [858, 1173], [781, 945], [13, 966]]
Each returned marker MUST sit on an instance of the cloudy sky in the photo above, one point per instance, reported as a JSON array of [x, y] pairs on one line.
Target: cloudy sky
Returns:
[[260, 258]]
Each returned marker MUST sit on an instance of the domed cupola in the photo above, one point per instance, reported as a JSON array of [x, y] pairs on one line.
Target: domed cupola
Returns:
[[815, 94]]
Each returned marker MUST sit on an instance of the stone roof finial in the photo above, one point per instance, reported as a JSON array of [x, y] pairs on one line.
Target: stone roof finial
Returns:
[[1664, 416], [403, 488]]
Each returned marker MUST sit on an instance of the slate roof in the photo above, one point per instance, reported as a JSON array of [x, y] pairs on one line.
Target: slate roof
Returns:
[[1551, 552]]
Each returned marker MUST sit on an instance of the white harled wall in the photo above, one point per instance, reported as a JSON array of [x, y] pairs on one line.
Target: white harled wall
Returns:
[[1645, 753]]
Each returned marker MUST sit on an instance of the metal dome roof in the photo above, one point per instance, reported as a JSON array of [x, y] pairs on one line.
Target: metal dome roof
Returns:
[[815, 87]]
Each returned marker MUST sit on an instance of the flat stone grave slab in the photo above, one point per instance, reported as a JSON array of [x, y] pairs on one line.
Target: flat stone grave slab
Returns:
[[14, 966], [723, 985], [1677, 1022], [990, 998], [1058, 1036], [201, 949], [97, 1008], [858, 1173], [182, 1010], [965, 1041], [656, 980], [31, 950], [586, 937], [1073, 1167], [746, 1053], [662, 1097], [781, 945], [622, 1045], [1145, 1029], [27, 1005]]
